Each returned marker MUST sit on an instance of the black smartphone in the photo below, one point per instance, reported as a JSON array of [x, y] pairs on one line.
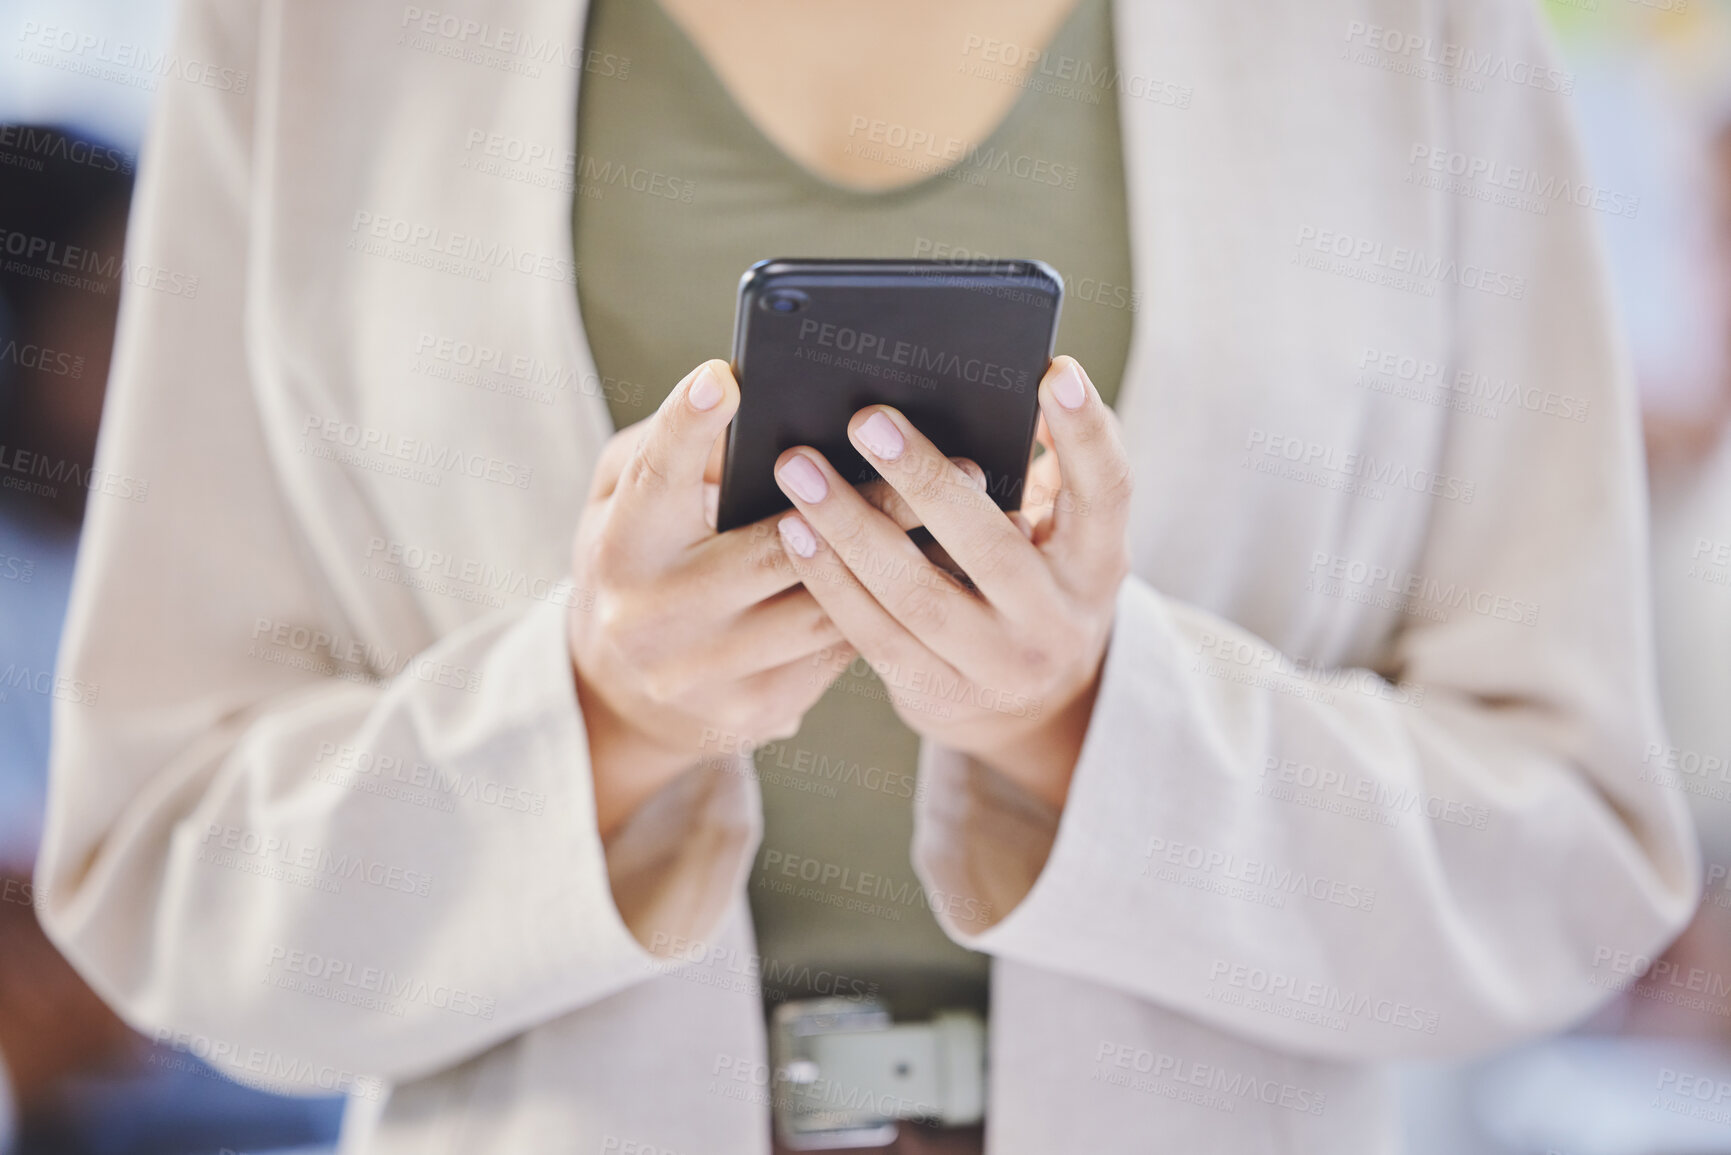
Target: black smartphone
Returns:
[[959, 346]]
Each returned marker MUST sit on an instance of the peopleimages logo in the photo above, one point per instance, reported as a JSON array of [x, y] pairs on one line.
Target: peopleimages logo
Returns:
[[77, 267], [1257, 873], [524, 50], [917, 358], [1397, 266], [1230, 1086], [120, 61], [1060, 75], [1544, 188], [1363, 467], [1424, 378], [28, 147], [443, 250], [435, 460], [1458, 60], [42, 359], [1283, 994], [342, 980]]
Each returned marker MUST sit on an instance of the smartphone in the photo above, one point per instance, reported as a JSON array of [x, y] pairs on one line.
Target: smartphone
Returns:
[[958, 346]]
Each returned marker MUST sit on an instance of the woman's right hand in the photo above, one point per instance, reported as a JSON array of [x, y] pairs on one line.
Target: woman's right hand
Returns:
[[694, 643]]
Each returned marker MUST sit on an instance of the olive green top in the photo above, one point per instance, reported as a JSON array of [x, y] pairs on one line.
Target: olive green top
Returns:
[[677, 194]]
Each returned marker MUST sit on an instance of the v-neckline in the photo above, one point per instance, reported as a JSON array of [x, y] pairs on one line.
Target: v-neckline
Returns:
[[706, 75]]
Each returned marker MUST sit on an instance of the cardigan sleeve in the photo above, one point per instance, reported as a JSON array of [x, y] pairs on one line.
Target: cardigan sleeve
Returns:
[[1464, 849], [379, 858]]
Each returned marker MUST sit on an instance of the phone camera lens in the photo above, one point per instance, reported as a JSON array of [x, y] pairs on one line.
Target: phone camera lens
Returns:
[[784, 300]]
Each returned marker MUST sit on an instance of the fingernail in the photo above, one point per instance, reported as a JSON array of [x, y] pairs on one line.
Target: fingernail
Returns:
[[804, 478], [1068, 386], [880, 435], [797, 536], [705, 390]]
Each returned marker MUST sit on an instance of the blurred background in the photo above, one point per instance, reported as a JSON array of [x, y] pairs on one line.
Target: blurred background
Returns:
[[1650, 1074], [73, 1078]]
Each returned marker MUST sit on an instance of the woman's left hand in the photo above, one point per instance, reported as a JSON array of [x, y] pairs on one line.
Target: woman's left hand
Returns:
[[1005, 672]]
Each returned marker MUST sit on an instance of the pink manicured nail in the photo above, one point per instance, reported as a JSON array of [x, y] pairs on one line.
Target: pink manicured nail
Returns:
[[804, 478], [880, 435], [797, 536], [1068, 386], [705, 391]]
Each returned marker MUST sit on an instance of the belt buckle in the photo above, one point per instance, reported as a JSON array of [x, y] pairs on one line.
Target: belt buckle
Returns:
[[844, 1073]]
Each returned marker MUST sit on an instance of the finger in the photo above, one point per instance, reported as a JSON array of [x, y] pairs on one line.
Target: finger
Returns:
[[786, 628], [1040, 533], [1042, 438], [1002, 564], [856, 610], [659, 497], [1041, 488], [732, 571], [614, 456], [1093, 502], [712, 482], [716, 463], [623, 444], [885, 562], [883, 496], [767, 706], [787, 692]]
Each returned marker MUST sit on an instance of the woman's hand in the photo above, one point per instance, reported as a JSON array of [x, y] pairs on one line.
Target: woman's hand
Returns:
[[692, 634], [1006, 671]]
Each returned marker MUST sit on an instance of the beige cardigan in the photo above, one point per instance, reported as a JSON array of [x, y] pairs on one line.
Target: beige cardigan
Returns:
[[327, 817]]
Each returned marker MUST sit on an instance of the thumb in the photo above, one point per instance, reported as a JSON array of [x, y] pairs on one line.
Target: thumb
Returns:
[[660, 490]]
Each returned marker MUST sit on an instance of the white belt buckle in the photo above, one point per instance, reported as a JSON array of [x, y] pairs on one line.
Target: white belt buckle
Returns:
[[844, 1073]]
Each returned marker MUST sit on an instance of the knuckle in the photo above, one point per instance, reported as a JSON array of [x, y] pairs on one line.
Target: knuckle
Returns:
[[997, 558], [846, 533], [762, 548], [822, 629], [1118, 484], [1099, 440], [929, 480], [611, 463], [648, 471], [975, 474], [878, 493], [898, 510], [924, 607], [1040, 662]]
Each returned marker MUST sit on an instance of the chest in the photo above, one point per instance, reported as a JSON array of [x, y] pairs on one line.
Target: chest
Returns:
[[808, 74]]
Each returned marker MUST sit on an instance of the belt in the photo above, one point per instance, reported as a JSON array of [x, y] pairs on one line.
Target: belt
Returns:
[[845, 1073]]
